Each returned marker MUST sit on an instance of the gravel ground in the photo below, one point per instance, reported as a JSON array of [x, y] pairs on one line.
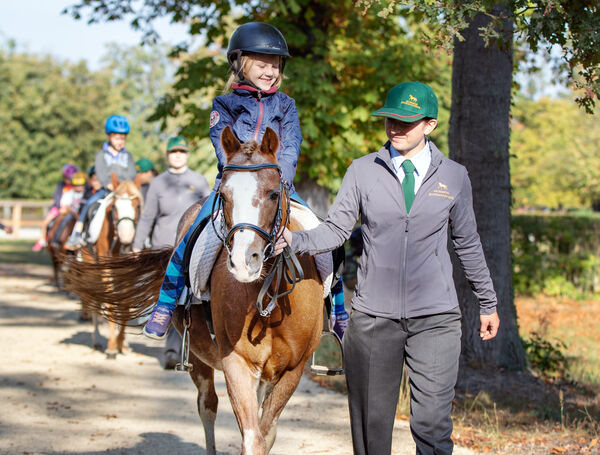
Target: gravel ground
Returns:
[[58, 396]]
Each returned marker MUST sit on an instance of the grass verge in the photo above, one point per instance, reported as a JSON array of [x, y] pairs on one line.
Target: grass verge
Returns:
[[19, 252], [510, 412]]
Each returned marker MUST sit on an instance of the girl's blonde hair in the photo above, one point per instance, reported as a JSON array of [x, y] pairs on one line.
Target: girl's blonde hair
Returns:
[[246, 62]]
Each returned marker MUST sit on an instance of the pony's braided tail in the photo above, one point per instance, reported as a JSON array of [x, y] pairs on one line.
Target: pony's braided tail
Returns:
[[121, 288]]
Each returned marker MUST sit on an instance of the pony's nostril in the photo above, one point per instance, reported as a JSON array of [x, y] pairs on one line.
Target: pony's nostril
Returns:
[[253, 260]]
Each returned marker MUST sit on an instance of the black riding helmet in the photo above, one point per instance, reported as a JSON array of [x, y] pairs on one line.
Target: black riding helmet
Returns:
[[256, 37]]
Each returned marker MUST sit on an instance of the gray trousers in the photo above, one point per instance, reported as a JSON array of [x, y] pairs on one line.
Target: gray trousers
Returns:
[[375, 349], [173, 342]]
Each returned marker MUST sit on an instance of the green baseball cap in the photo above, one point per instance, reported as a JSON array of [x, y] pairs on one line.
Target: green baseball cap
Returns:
[[409, 102], [144, 165], [177, 143]]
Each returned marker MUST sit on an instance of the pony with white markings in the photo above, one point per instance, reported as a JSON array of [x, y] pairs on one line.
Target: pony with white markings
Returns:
[[261, 350]]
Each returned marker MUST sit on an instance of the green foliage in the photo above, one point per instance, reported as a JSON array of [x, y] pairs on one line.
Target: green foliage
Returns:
[[546, 357], [570, 25], [53, 112], [50, 114], [343, 64], [556, 254], [554, 159]]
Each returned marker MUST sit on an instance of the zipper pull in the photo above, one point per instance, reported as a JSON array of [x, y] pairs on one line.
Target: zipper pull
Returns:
[[406, 227]]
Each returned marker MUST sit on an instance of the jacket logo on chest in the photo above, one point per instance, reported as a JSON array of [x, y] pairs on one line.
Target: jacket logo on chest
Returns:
[[214, 118], [441, 190]]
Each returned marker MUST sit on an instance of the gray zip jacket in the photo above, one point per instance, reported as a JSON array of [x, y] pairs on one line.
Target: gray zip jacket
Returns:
[[169, 195], [405, 269]]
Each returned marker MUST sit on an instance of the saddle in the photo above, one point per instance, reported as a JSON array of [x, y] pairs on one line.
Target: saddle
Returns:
[[202, 249], [55, 240], [93, 220]]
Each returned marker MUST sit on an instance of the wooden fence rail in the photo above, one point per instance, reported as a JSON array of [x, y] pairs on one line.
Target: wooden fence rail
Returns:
[[23, 213]]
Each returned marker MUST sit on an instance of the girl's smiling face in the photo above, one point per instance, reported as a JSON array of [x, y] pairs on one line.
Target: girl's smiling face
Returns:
[[262, 70]]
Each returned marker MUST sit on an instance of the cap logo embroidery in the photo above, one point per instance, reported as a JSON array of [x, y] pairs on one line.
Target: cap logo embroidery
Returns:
[[214, 118], [412, 101]]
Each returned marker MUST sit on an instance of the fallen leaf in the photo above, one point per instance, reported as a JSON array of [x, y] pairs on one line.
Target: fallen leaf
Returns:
[[593, 443], [557, 449]]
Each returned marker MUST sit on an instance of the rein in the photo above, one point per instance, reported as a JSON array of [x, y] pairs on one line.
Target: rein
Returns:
[[286, 265]]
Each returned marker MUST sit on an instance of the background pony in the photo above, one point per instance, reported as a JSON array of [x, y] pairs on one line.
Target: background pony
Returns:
[[116, 235]]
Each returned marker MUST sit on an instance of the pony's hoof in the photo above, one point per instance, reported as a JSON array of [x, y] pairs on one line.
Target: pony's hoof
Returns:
[[97, 347], [111, 356]]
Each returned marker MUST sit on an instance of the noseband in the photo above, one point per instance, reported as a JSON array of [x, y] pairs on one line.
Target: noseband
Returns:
[[286, 265]]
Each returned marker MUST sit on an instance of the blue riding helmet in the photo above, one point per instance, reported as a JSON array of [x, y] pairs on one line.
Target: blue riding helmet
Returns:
[[116, 124]]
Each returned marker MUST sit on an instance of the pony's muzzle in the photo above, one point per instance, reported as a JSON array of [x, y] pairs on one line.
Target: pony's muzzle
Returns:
[[245, 259]]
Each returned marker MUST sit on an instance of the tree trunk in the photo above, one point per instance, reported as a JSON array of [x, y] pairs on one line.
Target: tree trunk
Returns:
[[479, 139]]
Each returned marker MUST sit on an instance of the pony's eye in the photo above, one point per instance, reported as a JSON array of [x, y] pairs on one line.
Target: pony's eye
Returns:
[[274, 195]]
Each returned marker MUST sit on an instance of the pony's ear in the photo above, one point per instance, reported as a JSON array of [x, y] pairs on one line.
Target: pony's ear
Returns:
[[114, 180], [270, 143], [230, 143]]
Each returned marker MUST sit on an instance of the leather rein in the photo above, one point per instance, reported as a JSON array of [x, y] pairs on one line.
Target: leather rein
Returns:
[[284, 266]]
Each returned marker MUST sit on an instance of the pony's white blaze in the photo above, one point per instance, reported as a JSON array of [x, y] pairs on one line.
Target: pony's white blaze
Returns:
[[126, 227], [244, 186]]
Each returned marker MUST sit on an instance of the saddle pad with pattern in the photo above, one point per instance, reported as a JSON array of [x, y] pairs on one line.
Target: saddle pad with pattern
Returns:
[[209, 245], [96, 224]]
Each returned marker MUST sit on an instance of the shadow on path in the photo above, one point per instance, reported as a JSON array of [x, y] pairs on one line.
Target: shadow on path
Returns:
[[152, 441]]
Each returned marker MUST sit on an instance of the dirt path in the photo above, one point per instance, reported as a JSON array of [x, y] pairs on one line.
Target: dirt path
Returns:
[[58, 396]]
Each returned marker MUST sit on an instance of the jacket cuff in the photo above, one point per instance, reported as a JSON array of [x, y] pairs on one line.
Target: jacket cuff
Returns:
[[488, 310]]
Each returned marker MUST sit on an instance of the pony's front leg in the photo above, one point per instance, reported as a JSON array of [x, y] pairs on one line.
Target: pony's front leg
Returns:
[[111, 348], [275, 402], [96, 333], [122, 345], [242, 385], [204, 378]]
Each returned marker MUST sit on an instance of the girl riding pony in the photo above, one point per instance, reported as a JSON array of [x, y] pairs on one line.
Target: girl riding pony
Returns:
[[256, 55]]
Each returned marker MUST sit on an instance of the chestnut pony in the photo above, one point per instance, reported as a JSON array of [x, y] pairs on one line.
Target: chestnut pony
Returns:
[[115, 239], [262, 357]]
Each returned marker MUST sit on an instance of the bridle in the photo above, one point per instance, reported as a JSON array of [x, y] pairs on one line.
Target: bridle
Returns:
[[286, 265], [116, 220], [270, 237]]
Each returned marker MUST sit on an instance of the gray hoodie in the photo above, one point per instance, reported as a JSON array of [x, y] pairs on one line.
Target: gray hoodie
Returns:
[[169, 195], [405, 268]]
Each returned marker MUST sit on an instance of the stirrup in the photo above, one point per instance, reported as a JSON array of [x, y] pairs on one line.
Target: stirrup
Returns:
[[184, 364], [322, 370]]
